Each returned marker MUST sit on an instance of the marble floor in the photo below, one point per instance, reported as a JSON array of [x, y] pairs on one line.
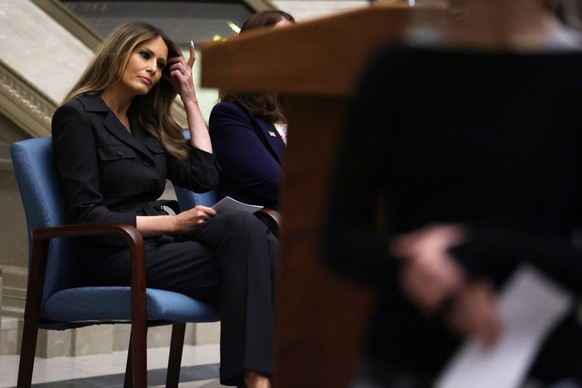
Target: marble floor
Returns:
[[199, 369]]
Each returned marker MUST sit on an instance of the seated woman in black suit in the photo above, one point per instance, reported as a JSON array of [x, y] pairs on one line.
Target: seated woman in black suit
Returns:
[[115, 145], [248, 132]]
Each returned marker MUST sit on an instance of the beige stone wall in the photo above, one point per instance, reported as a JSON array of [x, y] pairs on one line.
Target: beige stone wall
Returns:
[[13, 234], [13, 238], [309, 9]]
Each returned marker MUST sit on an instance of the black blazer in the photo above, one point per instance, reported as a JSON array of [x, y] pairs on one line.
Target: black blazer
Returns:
[[112, 175]]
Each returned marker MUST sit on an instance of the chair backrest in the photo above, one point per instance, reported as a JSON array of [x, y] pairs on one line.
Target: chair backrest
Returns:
[[44, 206], [188, 199]]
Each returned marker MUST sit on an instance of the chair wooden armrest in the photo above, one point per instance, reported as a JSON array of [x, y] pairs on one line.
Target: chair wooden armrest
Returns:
[[271, 217], [132, 237]]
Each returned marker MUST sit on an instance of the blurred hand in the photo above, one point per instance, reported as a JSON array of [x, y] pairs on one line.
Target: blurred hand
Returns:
[[429, 275], [473, 313], [190, 219]]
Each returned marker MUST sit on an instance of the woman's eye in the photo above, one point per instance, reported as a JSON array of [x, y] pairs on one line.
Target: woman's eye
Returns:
[[161, 66], [145, 55]]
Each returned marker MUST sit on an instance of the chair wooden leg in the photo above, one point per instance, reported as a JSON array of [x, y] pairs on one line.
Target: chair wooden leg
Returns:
[[128, 380], [136, 366], [32, 312], [175, 359], [27, 352]]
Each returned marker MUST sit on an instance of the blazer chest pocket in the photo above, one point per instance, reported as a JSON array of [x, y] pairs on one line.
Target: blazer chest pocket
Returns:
[[116, 152], [120, 175], [159, 154]]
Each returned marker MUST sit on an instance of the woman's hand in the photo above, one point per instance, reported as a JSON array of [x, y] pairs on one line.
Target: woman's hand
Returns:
[[190, 219], [180, 75], [429, 275], [473, 313], [183, 222]]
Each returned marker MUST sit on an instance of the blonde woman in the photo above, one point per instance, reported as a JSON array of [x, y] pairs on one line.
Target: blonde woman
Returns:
[[116, 144]]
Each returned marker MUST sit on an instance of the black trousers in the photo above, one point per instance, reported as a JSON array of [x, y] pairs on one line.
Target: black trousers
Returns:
[[231, 261]]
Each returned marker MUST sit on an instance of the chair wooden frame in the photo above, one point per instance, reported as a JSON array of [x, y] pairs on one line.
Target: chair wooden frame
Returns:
[[137, 355], [47, 227]]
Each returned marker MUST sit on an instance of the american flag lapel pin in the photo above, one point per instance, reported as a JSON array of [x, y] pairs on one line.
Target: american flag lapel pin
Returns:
[[272, 134]]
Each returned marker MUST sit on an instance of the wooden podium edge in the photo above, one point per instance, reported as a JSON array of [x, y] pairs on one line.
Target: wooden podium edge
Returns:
[[319, 57]]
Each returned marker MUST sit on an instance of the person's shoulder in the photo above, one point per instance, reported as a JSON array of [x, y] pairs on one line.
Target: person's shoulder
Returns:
[[394, 54], [394, 49], [68, 109], [229, 108], [228, 105], [77, 110], [92, 103], [84, 103], [389, 59], [74, 104]]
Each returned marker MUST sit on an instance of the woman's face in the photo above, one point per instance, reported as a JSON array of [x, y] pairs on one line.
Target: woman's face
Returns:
[[144, 66]]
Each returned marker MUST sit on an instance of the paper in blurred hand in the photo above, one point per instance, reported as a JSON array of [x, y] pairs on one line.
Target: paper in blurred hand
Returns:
[[530, 306]]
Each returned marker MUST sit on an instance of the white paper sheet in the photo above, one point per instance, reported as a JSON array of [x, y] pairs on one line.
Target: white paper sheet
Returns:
[[530, 306], [231, 203]]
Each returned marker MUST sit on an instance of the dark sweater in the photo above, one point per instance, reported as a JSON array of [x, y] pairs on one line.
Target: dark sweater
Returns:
[[490, 140]]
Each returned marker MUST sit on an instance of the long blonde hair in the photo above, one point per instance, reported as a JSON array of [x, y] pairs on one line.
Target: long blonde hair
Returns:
[[153, 109]]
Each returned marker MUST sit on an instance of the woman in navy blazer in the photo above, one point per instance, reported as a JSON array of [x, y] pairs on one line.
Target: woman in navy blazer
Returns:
[[115, 145], [248, 131], [250, 151]]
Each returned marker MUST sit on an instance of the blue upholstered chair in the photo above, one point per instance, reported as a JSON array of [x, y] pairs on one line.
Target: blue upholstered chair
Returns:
[[56, 297], [188, 199]]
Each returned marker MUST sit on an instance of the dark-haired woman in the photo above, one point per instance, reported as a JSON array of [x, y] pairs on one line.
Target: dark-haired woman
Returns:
[[249, 132]]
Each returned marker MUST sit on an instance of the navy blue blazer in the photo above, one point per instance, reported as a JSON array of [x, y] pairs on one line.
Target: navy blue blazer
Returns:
[[111, 175], [250, 153]]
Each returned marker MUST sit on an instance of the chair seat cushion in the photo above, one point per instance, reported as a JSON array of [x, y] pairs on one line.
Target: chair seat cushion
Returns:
[[114, 304]]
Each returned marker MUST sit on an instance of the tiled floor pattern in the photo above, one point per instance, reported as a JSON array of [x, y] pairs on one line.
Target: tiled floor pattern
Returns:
[[199, 369]]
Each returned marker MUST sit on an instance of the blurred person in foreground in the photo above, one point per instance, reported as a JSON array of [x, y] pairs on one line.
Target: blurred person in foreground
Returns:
[[464, 143]]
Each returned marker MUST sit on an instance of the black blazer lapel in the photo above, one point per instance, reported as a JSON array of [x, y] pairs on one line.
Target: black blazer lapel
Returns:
[[111, 123], [143, 142]]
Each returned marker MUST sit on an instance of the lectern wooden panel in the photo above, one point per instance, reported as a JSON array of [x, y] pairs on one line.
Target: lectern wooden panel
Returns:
[[315, 65]]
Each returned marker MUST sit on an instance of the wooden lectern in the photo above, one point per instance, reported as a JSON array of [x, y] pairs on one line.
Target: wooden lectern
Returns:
[[315, 65]]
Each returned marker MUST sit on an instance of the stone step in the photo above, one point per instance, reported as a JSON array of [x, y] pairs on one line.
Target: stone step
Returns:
[[97, 339], [9, 336]]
